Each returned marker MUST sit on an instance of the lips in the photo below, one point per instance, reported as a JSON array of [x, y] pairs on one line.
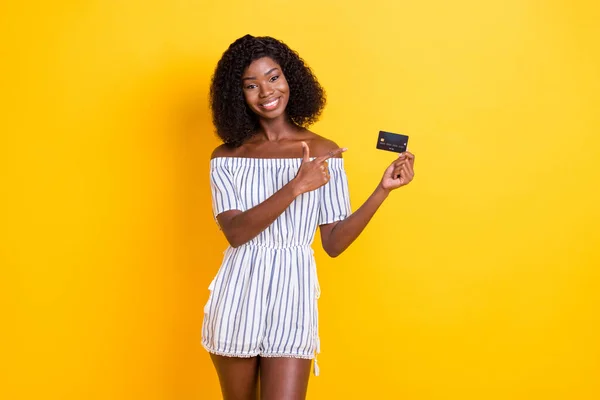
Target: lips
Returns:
[[271, 104]]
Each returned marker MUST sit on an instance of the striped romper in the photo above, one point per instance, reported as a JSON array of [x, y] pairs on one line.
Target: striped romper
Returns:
[[263, 299]]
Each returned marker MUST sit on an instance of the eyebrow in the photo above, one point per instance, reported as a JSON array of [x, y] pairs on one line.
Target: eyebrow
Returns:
[[253, 77]]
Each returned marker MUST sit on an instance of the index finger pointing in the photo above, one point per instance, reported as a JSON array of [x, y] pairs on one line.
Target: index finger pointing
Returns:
[[332, 153]]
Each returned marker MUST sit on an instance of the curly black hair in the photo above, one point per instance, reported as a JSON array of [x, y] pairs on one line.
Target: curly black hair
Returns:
[[233, 119]]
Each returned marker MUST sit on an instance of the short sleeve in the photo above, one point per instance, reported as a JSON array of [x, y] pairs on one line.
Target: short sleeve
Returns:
[[224, 195], [335, 196]]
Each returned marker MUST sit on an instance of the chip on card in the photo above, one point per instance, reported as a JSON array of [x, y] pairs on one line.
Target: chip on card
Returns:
[[392, 142]]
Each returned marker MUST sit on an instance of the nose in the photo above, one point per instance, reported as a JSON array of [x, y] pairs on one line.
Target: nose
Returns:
[[265, 90]]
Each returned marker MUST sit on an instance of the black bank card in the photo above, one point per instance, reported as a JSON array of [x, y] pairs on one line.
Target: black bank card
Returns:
[[392, 142]]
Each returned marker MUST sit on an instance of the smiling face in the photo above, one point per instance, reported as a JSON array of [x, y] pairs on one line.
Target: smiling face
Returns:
[[265, 88]]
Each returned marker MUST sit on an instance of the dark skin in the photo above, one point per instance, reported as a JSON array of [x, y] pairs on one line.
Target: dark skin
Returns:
[[267, 93]]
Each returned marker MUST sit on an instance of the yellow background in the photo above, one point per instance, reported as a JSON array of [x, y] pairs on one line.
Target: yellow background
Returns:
[[478, 281]]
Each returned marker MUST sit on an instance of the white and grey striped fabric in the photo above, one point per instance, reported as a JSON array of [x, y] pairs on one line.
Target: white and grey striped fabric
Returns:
[[263, 299]]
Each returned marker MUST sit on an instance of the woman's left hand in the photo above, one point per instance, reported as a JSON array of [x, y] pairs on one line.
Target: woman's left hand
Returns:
[[399, 173]]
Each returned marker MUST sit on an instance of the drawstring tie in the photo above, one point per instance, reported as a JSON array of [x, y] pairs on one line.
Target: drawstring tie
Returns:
[[316, 332], [316, 364]]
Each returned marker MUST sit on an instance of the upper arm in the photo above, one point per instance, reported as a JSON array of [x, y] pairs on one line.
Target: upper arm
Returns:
[[226, 202], [224, 220], [325, 231], [323, 146]]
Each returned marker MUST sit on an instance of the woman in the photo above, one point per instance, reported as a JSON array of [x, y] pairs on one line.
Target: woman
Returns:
[[273, 182]]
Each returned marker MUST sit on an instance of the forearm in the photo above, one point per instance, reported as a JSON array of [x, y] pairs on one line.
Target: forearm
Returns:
[[347, 230], [245, 226]]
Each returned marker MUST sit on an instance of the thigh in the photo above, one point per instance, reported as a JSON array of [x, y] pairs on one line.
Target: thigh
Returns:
[[238, 376], [284, 378]]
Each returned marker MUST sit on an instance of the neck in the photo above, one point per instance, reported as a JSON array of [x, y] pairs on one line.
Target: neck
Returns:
[[276, 129]]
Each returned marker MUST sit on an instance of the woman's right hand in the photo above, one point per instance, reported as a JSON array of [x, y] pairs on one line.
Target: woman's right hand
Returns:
[[313, 174]]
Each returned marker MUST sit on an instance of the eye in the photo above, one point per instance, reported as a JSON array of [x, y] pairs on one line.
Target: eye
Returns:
[[251, 86], [274, 78]]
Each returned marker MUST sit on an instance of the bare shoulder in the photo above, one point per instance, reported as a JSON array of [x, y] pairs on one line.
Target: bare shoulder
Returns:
[[320, 146], [223, 151]]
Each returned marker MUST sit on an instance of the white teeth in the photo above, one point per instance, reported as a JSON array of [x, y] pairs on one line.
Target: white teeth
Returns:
[[271, 103]]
